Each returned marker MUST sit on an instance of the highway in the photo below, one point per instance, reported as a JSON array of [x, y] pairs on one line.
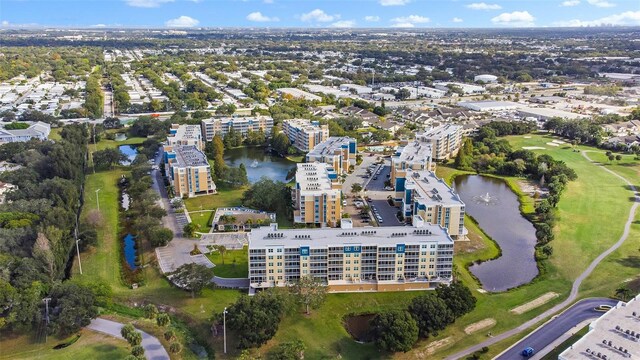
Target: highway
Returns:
[[560, 324]]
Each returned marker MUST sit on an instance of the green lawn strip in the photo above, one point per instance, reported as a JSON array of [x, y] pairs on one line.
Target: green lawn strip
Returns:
[[90, 345], [224, 198], [203, 219], [553, 355], [235, 263]]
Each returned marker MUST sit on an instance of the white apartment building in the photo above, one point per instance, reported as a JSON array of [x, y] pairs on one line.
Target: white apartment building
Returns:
[[445, 140], [221, 126], [317, 195], [304, 134]]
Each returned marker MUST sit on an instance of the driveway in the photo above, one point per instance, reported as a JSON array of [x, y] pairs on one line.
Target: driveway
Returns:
[[547, 333], [359, 173], [153, 349]]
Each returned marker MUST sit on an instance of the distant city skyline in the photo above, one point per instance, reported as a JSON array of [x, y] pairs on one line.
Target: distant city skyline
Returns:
[[186, 14]]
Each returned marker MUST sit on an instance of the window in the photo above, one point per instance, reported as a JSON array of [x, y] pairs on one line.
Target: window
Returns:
[[304, 264], [270, 264], [399, 269], [270, 250], [271, 257], [270, 271]]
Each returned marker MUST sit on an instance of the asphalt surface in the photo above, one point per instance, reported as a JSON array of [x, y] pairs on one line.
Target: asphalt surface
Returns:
[[577, 282], [547, 333], [153, 349]]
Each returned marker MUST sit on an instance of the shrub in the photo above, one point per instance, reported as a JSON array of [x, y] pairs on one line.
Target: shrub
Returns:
[[137, 351], [169, 335], [163, 319], [150, 311], [126, 331], [175, 347]]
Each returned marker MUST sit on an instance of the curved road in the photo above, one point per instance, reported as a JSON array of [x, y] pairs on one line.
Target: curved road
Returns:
[[576, 284], [549, 332], [153, 349]]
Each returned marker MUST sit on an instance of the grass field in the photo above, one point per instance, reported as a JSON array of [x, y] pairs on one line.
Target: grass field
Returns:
[[234, 265], [90, 345]]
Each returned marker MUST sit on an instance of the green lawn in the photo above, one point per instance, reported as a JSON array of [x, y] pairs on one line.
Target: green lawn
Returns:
[[235, 263], [224, 198], [203, 219], [90, 345]]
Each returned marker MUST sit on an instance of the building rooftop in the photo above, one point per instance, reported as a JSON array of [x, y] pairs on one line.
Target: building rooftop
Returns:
[[190, 156], [430, 189], [488, 105], [184, 132], [330, 146], [549, 113], [315, 177], [417, 151], [441, 131], [297, 93], [304, 124], [387, 235], [613, 336]]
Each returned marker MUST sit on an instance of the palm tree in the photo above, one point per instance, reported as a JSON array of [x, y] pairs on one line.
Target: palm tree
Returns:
[[623, 293]]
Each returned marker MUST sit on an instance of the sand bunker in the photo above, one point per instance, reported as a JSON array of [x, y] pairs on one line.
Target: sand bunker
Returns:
[[533, 147], [482, 324], [543, 299]]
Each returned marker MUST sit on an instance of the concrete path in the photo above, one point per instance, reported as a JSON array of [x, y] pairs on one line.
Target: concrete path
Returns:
[[576, 284], [153, 349]]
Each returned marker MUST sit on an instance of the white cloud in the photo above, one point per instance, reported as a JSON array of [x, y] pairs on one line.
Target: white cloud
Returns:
[[457, 20], [403, 25], [393, 2], [99, 25], [147, 3], [411, 19], [484, 6], [181, 22], [601, 3], [372, 18], [318, 15], [516, 18], [569, 3], [4, 23], [628, 18], [258, 17], [344, 24]]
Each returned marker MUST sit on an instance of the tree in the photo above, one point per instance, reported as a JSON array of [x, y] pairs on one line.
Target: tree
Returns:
[[356, 188], [175, 347], [163, 319], [72, 307], [105, 159], [280, 143], [457, 297], [394, 331], [431, 314], [222, 250], [403, 94], [217, 154], [127, 330], [292, 350], [547, 250], [169, 335], [618, 157], [137, 351], [161, 236], [189, 230], [255, 319], [192, 277], [310, 292], [150, 311], [623, 293], [135, 338]]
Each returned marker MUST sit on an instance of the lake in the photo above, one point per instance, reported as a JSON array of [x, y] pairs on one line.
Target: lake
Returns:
[[130, 151], [259, 163], [496, 209], [130, 250]]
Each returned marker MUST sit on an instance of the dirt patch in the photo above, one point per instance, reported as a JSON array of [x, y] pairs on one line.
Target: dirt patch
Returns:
[[433, 347], [359, 326], [472, 243], [541, 300], [482, 324], [533, 148], [532, 188]]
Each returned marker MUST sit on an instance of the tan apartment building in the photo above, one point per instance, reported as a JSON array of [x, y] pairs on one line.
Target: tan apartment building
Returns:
[[394, 258], [189, 171], [317, 195], [304, 134], [445, 140], [184, 135], [339, 152], [415, 155], [242, 125]]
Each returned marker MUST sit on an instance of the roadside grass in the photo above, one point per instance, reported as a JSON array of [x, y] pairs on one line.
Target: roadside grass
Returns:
[[90, 345], [235, 263], [553, 355]]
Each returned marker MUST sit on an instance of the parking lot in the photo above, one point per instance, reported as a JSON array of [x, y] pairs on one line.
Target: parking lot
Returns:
[[375, 190]]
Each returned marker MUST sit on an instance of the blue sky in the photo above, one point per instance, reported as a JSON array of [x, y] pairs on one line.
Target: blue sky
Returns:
[[316, 13]]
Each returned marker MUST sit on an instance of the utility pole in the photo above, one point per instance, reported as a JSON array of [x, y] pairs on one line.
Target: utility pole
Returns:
[[95, 147], [98, 199], [224, 328], [77, 247]]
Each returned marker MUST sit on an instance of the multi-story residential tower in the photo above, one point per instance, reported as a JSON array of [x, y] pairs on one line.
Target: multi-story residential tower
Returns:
[[221, 126], [416, 155], [317, 195], [338, 152], [445, 140], [304, 134], [189, 171], [184, 135], [393, 258]]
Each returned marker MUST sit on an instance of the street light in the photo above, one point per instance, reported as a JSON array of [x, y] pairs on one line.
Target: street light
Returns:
[[78, 248], [98, 199], [224, 328]]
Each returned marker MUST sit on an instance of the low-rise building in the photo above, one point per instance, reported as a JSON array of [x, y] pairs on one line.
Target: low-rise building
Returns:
[[184, 135], [339, 152], [467, 89], [613, 336], [189, 171], [489, 105], [357, 89], [543, 113], [39, 131], [430, 198], [304, 134], [5, 188], [485, 78], [240, 219], [317, 195], [242, 125], [445, 140], [298, 94], [394, 258]]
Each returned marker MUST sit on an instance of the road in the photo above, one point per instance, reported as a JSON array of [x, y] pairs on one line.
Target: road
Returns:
[[576, 284], [359, 174], [153, 349], [546, 334]]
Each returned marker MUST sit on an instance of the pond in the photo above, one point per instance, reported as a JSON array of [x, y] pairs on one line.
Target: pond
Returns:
[[496, 209], [259, 163], [130, 250], [359, 326], [130, 151], [120, 137]]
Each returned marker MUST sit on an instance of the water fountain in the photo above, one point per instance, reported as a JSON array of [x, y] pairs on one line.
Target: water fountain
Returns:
[[485, 199]]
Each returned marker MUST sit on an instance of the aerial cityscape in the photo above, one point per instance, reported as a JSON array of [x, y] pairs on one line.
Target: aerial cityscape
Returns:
[[279, 179]]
